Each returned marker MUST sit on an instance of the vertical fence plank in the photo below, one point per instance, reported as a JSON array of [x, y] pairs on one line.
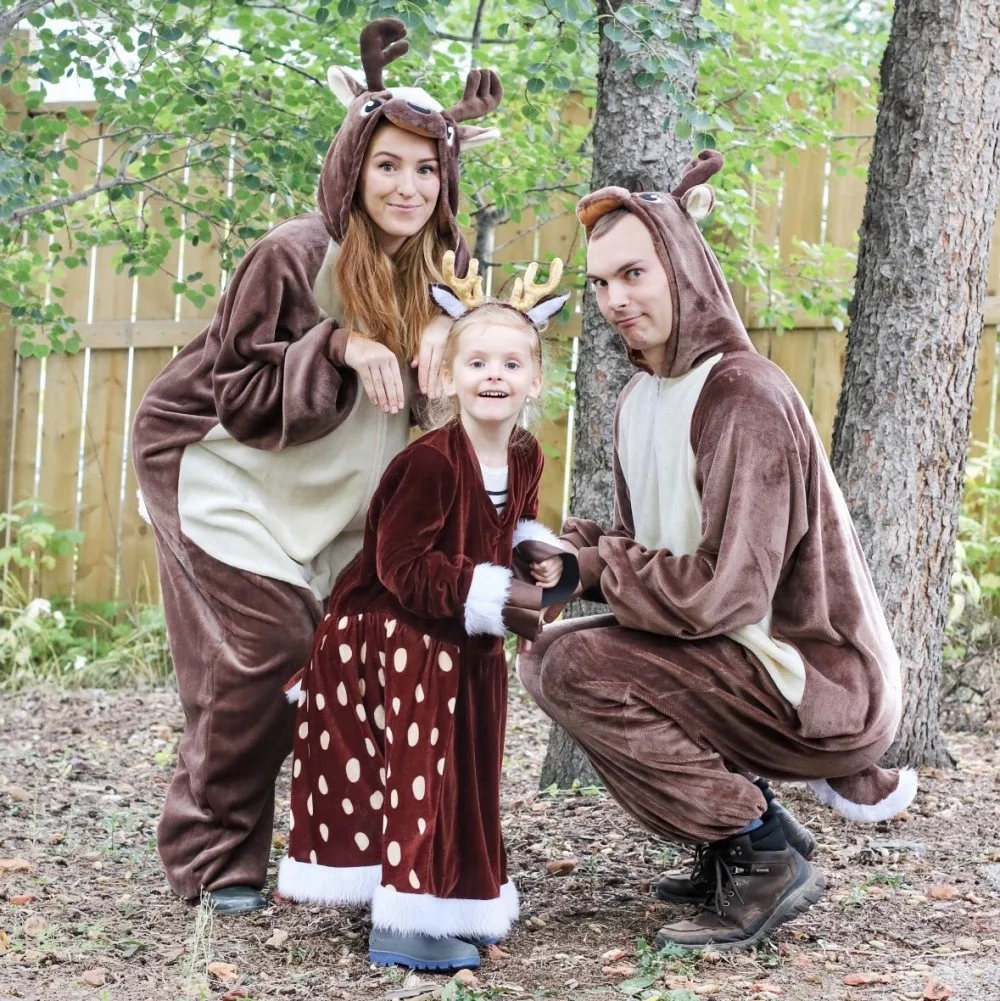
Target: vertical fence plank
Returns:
[[980, 432], [831, 347]]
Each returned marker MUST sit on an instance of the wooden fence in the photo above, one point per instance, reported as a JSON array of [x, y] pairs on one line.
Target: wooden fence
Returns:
[[64, 420]]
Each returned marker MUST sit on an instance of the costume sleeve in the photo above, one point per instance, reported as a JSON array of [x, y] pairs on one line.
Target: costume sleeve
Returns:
[[279, 377], [749, 473], [414, 502], [528, 527]]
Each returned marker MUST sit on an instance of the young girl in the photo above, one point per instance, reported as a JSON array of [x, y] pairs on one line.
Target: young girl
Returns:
[[401, 709]]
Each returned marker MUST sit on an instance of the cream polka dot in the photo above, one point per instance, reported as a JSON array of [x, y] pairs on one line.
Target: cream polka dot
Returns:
[[388, 734], [302, 697], [312, 857], [413, 735], [440, 766], [362, 687], [364, 652], [304, 729], [390, 627], [291, 821], [360, 710], [444, 661], [381, 775], [342, 624], [324, 832], [395, 705], [309, 805], [348, 807], [323, 787], [362, 840], [419, 694], [379, 717], [419, 787], [326, 618], [297, 768], [376, 800], [390, 888], [388, 774], [451, 705], [393, 853], [381, 677], [394, 799], [421, 825], [385, 822], [414, 881], [346, 653], [353, 770], [322, 642], [427, 642], [435, 733], [369, 747], [399, 659], [324, 740], [320, 701], [342, 694], [381, 659]]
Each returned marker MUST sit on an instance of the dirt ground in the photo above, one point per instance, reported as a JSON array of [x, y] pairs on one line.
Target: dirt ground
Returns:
[[912, 908]]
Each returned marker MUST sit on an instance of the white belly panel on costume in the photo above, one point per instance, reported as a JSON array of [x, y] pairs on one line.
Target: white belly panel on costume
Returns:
[[658, 462]]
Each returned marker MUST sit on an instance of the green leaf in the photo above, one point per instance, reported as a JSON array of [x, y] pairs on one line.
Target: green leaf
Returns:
[[636, 984]]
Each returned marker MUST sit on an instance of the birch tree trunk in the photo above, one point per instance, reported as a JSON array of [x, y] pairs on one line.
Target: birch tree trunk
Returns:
[[902, 428]]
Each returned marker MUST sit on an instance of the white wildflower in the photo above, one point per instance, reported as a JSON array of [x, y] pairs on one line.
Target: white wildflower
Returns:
[[60, 619], [80, 663], [38, 607]]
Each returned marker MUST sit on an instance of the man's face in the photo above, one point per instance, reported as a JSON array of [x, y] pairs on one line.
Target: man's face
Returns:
[[633, 291]]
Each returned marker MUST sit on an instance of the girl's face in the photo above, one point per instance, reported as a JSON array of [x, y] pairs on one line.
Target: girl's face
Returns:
[[400, 184], [494, 372]]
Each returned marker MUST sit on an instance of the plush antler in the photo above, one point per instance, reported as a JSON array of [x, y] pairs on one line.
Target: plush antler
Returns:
[[468, 289], [526, 293], [697, 171], [483, 93], [381, 42]]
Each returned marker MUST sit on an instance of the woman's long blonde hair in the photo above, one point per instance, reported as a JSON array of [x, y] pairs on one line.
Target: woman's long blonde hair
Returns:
[[386, 298]]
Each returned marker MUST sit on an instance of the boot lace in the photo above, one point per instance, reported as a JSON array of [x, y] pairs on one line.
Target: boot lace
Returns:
[[725, 888]]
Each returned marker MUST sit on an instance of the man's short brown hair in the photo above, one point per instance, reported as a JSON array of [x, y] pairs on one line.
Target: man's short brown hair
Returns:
[[607, 222]]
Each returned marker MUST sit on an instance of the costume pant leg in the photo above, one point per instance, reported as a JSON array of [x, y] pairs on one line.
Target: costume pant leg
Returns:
[[235, 638], [673, 783]]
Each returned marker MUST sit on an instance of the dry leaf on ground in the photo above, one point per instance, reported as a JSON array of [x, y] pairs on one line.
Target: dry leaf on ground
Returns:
[[466, 978], [22, 898], [613, 955], [235, 994], [933, 991], [561, 866], [866, 979], [94, 978], [225, 972], [34, 926], [277, 939], [942, 891], [15, 865]]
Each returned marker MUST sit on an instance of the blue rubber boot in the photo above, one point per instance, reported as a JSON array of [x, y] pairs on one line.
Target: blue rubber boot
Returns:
[[421, 952]]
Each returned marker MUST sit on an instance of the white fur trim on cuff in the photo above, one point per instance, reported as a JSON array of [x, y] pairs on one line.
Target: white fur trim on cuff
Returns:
[[143, 510], [536, 532], [327, 884], [860, 813], [487, 596], [294, 692], [441, 917]]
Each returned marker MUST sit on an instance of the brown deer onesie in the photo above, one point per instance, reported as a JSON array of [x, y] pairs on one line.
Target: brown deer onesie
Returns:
[[746, 635], [257, 457]]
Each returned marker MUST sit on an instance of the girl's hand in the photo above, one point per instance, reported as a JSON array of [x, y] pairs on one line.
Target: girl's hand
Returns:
[[378, 370], [431, 355], [547, 572]]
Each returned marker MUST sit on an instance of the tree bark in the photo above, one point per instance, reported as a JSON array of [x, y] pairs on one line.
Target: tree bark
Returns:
[[634, 147], [902, 427], [10, 19]]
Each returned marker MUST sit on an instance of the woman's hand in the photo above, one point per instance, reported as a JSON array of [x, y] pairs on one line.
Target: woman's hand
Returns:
[[431, 355], [547, 572], [378, 370]]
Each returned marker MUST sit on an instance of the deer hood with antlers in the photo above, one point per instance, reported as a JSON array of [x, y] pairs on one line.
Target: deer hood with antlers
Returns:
[[370, 102], [705, 318]]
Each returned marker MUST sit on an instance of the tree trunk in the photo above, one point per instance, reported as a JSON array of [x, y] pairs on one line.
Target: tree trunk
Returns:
[[902, 428], [635, 148]]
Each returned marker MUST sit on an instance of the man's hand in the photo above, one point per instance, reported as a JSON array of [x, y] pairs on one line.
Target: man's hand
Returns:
[[431, 356], [547, 572], [378, 370]]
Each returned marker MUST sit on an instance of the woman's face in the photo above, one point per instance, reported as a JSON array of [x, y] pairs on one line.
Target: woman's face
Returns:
[[400, 184]]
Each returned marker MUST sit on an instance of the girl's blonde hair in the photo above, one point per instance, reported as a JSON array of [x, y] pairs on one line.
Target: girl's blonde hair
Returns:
[[446, 410], [385, 297]]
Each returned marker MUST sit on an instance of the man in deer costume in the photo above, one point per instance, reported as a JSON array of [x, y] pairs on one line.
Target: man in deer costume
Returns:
[[257, 455], [746, 638]]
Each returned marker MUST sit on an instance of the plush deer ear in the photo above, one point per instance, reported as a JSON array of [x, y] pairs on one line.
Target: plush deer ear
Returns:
[[698, 201], [471, 136], [547, 308], [344, 85], [448, 301]]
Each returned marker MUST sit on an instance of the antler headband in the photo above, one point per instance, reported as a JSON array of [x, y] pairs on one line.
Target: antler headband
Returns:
[[534, 301]]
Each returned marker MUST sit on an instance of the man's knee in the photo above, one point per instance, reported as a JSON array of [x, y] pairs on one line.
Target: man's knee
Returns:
[[561, 675]]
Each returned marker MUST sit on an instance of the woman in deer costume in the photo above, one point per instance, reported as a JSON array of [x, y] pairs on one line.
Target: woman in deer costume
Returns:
[[401, 710], [257, 454]]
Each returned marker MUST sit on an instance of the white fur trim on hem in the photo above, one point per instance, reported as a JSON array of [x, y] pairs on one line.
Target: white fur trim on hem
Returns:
[[327, 884], [535, 531], [424, 914], [860, 813], [293, 693], [487, 596]]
